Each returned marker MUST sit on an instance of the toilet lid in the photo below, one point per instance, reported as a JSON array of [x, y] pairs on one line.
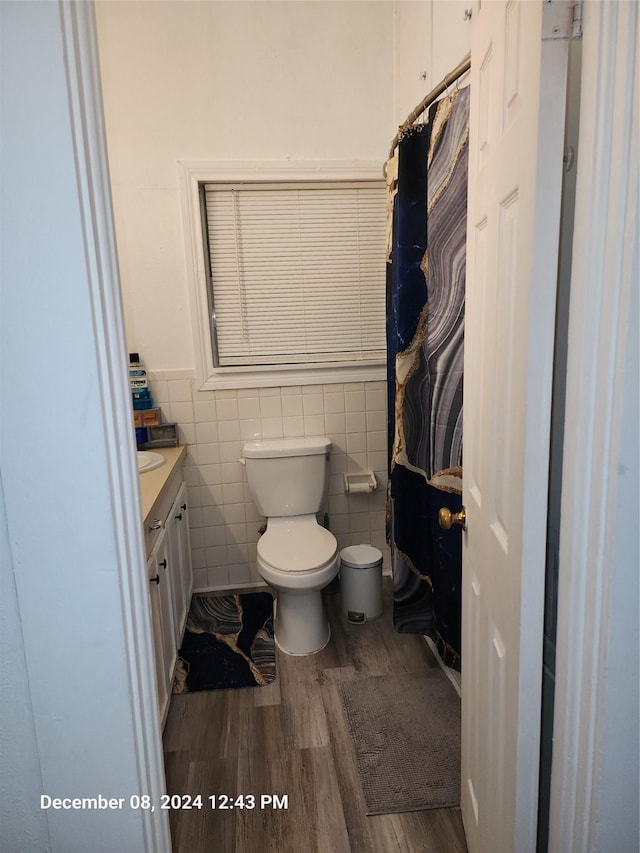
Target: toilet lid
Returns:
[[301, 547]]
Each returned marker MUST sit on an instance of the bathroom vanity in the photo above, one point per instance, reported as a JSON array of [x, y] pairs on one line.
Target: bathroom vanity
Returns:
[[165, 514]]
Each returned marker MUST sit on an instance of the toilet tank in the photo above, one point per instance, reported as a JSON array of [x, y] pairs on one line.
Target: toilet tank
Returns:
[[288, 476]]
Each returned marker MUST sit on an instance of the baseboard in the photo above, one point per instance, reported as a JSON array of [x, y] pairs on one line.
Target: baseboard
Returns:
[[233, 587]]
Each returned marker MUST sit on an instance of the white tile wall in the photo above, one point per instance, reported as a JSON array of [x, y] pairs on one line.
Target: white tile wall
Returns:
[[214, 424]]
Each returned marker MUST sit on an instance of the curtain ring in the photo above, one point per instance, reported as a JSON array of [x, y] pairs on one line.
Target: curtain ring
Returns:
[[449, 93]]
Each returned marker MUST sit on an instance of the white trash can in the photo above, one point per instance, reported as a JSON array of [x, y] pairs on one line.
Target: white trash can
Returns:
[[361, 582]]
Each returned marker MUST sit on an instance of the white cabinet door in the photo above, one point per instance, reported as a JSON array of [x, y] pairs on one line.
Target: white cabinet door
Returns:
[[156, 627], [170, 582], [180, 572], [164, 621], [169, 648], [184, 548], [519, 55]]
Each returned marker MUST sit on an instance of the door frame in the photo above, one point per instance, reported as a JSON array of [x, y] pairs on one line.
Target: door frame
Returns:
[[595, 350], [605, 260], [77, 21]]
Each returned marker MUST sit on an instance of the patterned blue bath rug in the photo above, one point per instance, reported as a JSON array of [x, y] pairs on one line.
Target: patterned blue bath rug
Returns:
[[228, 642]]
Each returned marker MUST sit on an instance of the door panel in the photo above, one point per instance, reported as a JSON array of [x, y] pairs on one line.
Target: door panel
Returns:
[[518, 87]]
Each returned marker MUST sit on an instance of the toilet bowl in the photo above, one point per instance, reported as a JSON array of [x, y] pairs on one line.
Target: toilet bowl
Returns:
[[296, 556]]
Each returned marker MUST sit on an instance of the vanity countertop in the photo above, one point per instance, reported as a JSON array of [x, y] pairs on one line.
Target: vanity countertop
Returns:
[[153, 484]]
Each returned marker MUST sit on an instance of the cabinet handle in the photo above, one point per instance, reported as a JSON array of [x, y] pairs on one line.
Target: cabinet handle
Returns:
[[184, 506], [178, 517], [157, 524], [163, 563], [155, 580]]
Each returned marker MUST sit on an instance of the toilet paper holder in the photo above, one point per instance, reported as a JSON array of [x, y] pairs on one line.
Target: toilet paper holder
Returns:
[[361, 483]]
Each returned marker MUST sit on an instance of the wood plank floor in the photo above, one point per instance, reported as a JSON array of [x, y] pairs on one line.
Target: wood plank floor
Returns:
[[291, 738]]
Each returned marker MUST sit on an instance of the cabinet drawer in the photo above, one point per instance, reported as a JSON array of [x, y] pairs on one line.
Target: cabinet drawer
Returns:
[[156, 520]]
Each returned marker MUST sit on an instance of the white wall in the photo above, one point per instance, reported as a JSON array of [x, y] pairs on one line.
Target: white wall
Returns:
[[237, 81], [252, 81], [246, 81], [616, 824]]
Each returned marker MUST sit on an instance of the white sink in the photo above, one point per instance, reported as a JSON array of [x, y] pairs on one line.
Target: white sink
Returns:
[[147, 460]]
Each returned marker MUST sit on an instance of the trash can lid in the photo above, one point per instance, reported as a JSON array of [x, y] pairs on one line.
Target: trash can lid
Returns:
[[361, 556]]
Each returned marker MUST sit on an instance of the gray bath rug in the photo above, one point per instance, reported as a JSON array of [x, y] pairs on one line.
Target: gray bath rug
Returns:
[[405, 732]]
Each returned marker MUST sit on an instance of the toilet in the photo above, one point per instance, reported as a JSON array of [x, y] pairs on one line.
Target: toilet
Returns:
[[297, 557]]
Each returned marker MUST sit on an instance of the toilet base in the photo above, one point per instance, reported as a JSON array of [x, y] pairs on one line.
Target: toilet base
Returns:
[[301, 624]]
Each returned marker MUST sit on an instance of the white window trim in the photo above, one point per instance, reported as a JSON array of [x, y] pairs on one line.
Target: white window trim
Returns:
[[191, 175]]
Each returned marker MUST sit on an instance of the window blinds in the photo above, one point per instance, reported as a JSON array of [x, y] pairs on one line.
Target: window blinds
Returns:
[[297, 272]]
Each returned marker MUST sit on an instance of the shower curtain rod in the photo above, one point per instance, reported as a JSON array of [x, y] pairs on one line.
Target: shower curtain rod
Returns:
[[442, 86]]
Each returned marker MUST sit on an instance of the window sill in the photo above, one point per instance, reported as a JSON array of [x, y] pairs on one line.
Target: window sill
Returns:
[[252, 377]]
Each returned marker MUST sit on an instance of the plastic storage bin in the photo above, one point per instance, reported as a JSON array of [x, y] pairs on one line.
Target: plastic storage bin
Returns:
[[361, 582]]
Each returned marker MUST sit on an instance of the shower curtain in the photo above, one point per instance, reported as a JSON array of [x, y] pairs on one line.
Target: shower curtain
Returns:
[[427, 203]]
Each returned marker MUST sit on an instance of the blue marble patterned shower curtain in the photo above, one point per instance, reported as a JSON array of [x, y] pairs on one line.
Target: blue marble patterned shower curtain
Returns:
[[427, 180]]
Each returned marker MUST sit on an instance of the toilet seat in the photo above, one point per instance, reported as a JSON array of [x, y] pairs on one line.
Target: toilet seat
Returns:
[[296, 545]]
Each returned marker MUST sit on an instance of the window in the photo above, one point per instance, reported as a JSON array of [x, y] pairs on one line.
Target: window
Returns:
[[294, 275]]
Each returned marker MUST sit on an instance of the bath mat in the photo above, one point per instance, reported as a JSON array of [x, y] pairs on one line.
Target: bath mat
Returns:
[[228, 642], [405, 732]]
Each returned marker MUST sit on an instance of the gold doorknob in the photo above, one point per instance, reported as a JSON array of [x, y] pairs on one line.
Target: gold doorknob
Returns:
[[446, 518]]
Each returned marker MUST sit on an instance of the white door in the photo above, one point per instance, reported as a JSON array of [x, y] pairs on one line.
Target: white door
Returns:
[[518, 83]]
